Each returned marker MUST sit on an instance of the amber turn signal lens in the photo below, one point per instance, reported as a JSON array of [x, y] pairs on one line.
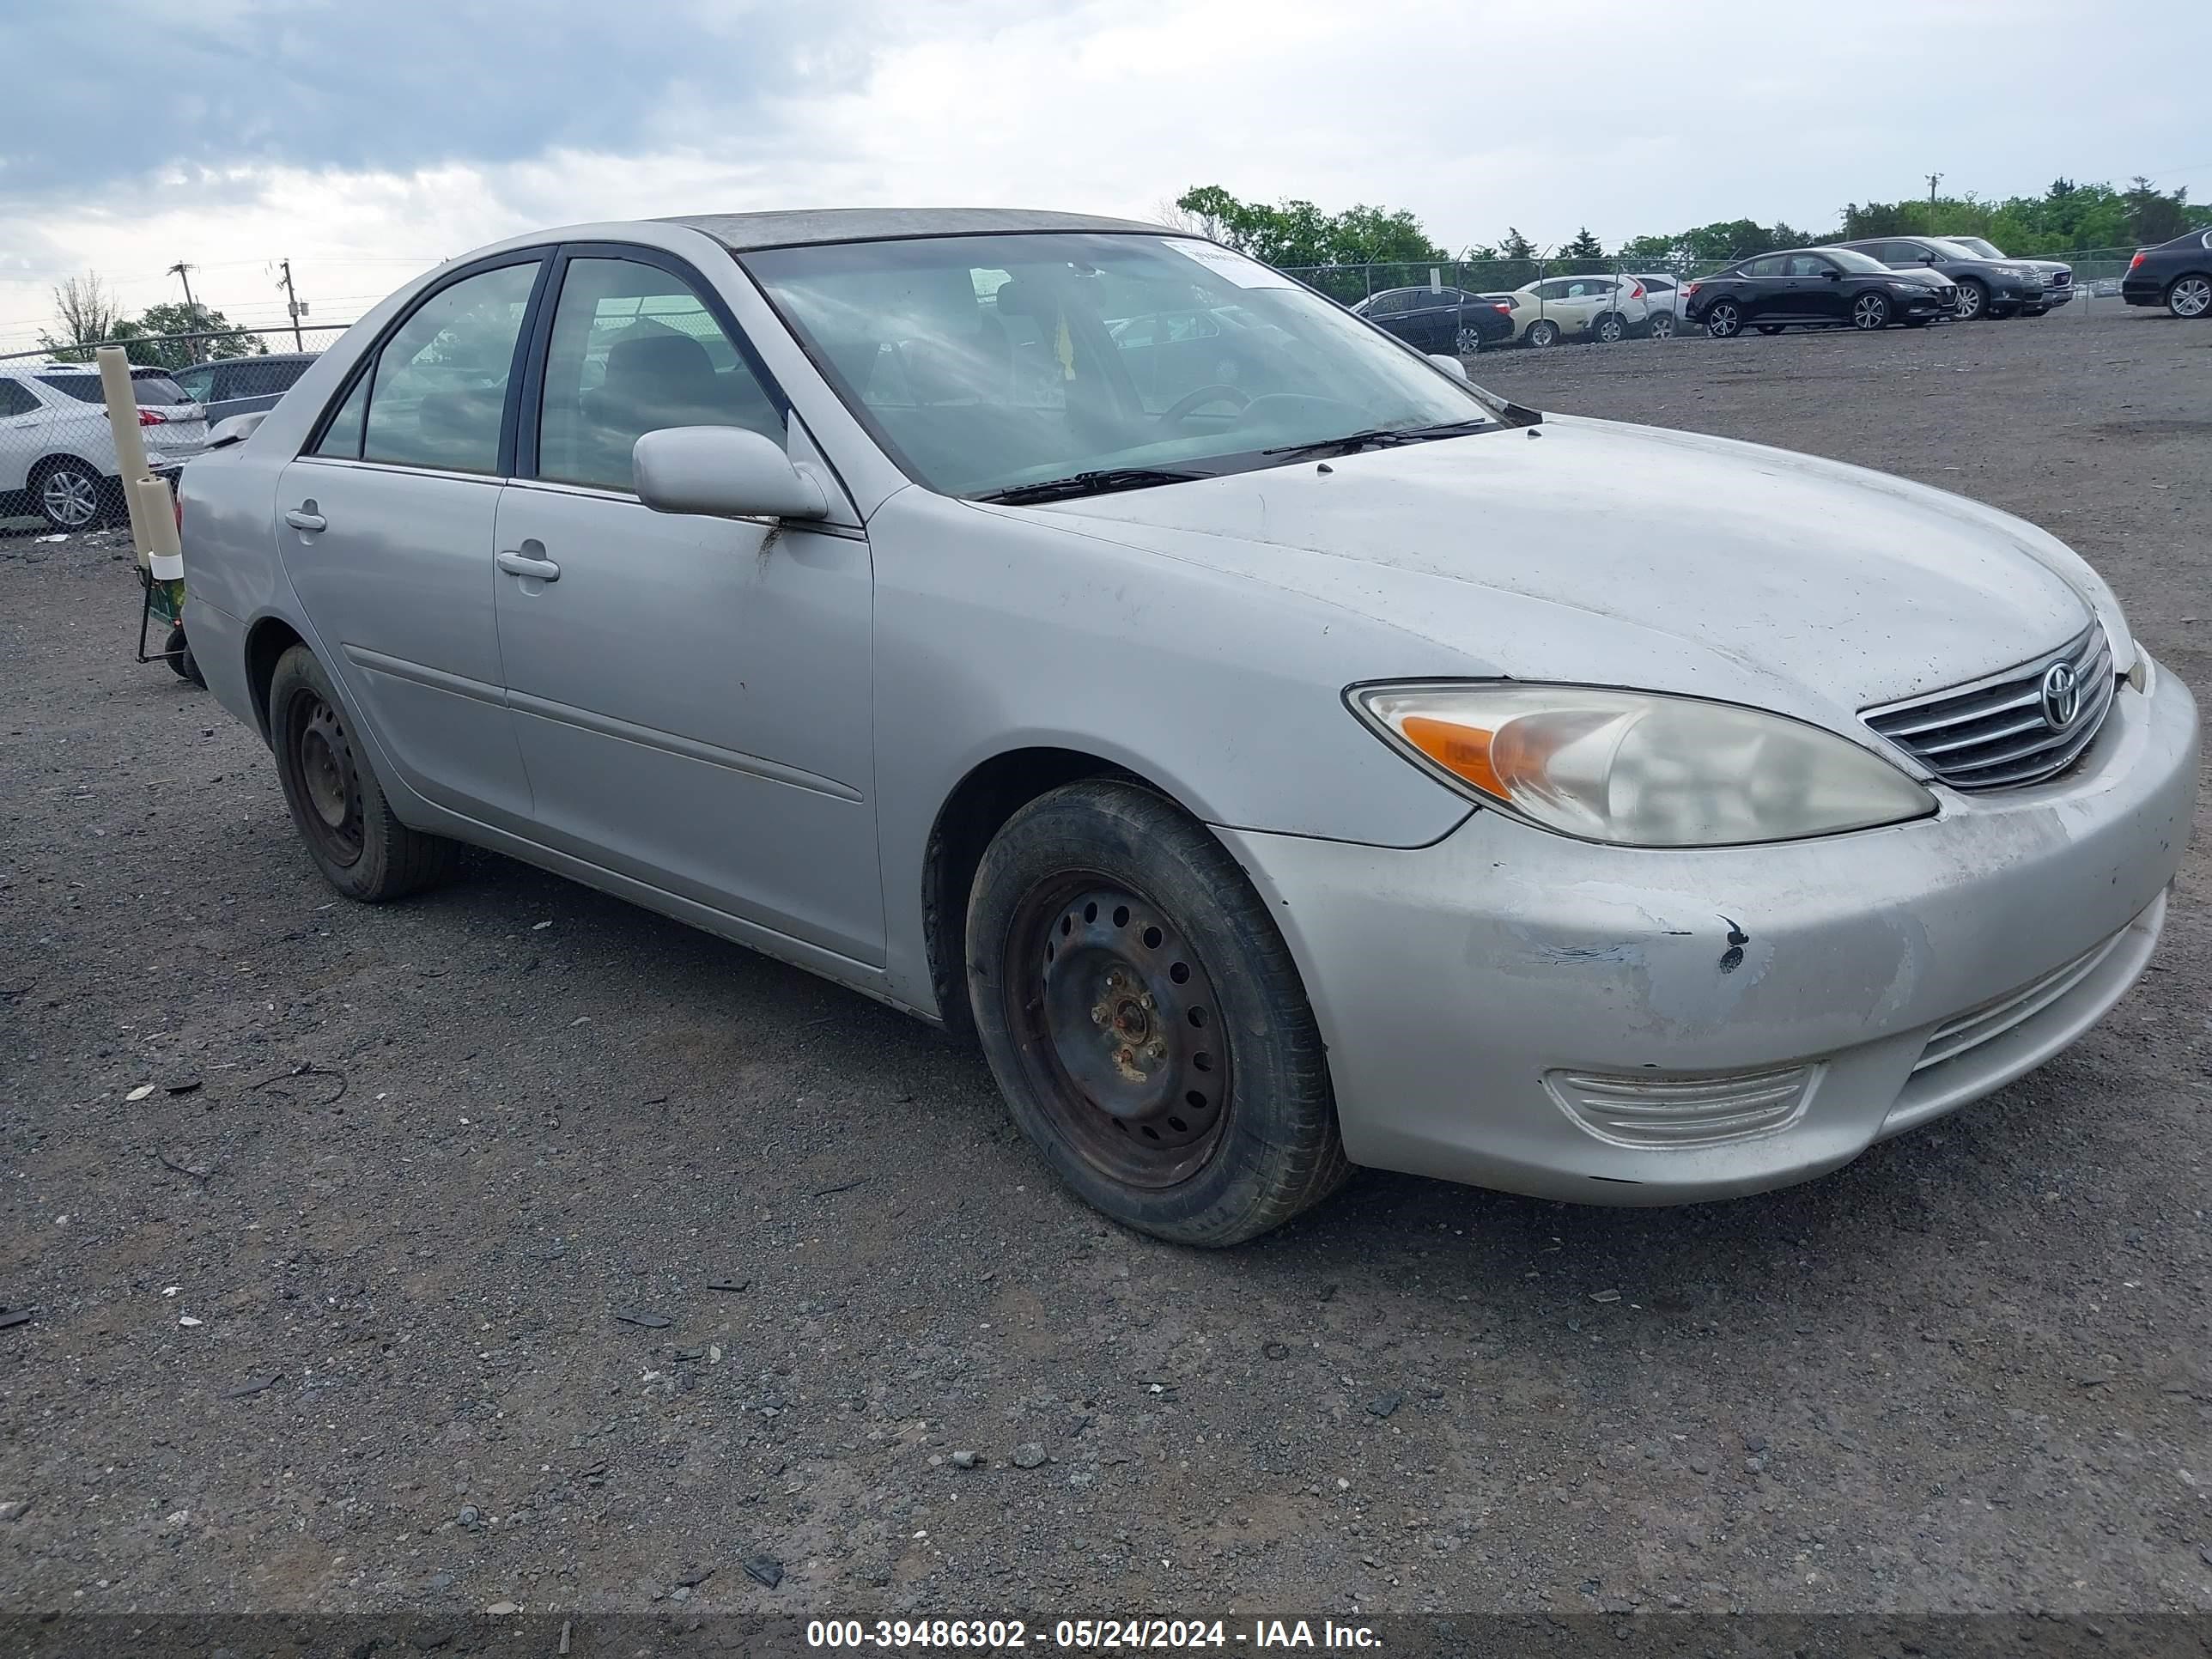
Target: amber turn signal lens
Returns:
[[1462, 750]]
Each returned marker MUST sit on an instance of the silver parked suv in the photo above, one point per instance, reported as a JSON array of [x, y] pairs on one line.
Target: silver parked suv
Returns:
[[1339, 766]]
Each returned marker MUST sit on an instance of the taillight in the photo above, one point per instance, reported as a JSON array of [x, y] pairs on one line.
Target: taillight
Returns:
[[152, 417], [1502, 305], [1692, 288], [1636, 292], [2137, 260]]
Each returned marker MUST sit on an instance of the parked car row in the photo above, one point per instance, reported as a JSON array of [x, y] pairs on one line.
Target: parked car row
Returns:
[[1816, 287], [1601, 306]]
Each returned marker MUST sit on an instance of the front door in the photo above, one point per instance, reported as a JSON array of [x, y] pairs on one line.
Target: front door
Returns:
[[385, 527], [692, 694]]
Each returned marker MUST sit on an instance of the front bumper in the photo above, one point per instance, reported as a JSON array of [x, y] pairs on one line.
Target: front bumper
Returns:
[[1470, 991]]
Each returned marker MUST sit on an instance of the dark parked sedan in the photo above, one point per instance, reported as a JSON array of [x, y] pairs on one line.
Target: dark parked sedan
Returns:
[[1445, 320], [239, 386], [1815, 287], [2176, 275], [1987, 288]]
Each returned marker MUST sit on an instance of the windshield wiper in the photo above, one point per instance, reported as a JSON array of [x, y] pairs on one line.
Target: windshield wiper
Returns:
[[1382, 437], [1102, 483]]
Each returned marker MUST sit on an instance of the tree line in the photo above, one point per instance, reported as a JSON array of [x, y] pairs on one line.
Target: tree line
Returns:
[[2067, 215], [85, 314]]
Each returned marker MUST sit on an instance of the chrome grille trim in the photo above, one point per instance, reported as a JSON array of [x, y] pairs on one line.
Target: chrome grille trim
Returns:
[[1991, 733], [1971, 1030]]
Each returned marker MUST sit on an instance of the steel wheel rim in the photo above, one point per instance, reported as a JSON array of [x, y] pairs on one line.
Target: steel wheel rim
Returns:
[[1119, 1030], [2192, 296], [1970, 300], [70, 497], [329, 777], [1869, 311]]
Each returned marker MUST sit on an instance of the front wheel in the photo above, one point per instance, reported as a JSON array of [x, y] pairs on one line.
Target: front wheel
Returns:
[[337, 806], [1611, 329], [1973, 300], [2189, 297], [1870, 312], [1542, 332], [1724, 320], [1144, 1020]]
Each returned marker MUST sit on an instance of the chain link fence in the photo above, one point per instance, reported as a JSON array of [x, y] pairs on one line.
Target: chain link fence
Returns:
[[58, 472]]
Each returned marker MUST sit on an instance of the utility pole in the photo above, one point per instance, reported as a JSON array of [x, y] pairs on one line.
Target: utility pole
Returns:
[[182, 272], [1933, 179], [292, 302]]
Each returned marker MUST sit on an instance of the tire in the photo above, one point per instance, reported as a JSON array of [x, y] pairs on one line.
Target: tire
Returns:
[[337, 806], [177, 652], [1771, 328], [1870, 312], [2189, 295], [1661, 325], [1610, 329], [1724, 320], [1145, 1021], [71, 494], [1974, 301], [1542, 332], [1470, 342]]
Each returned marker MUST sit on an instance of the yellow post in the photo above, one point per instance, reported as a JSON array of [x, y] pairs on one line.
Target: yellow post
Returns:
[[129, 447]]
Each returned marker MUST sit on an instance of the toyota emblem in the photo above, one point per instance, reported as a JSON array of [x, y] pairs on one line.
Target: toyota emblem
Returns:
[[2061, 696]]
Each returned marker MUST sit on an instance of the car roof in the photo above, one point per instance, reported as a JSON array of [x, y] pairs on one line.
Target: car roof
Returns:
[[252, 357], [743, 233]]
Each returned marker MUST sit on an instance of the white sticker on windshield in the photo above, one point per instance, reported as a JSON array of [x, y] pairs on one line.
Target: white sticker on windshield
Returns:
[[1233, 268]]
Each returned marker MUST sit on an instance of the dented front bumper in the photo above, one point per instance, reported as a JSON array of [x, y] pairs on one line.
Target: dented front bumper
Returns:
[[1516, 1010]]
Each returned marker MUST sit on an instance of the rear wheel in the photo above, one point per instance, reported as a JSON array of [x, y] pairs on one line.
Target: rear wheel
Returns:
[[339, 809], [1144, 1020], [1724, 320], [2189, 297], [1469, 343], [69, 492], [1663, 325], [1870, 312], [1542, 332]]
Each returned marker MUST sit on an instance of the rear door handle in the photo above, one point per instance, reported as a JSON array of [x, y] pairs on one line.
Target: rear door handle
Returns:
[[305, 518], [521, 564]]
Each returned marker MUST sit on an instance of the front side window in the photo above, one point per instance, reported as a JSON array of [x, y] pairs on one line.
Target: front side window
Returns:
[[198, 383], [1808, 264], [438, 389], [636, 350], [973, 397]]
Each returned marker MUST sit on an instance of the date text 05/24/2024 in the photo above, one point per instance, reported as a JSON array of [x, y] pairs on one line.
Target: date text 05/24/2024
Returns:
[[1086, 1634]]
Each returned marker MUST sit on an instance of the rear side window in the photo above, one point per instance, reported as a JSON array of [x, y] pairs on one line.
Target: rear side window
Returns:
[[85, 388], [157, 391], [15, 399], [438, 391], [1770, 265]]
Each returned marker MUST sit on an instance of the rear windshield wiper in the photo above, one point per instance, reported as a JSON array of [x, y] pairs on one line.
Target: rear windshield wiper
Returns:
[[1102, 483], [1382, 437]]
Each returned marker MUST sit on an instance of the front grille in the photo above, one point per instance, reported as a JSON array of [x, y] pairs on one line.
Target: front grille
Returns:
[[1993, 1019], [1656, 1109], [2062, 279], [1998, 732]]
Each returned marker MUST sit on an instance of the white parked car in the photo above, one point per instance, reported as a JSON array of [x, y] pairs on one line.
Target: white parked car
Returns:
[[1663, 302], [1602, 308], [57, 455]]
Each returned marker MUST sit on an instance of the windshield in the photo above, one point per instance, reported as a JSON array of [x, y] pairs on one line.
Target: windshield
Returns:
[[1851, 259], [1977, 246], [986, 363], [1946, 249]]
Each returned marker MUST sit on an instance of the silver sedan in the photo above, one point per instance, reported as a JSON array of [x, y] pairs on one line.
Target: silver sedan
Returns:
[[1280, 754]]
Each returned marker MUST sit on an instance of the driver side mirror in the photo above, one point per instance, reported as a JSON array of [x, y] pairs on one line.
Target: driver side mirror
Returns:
[[725, 471], [1450, 365], [1833, 275]]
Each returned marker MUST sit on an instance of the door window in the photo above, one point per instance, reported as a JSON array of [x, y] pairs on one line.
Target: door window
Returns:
[[15, 399], [1808, 264], [438, 391], [1770, 265], [636, 350]]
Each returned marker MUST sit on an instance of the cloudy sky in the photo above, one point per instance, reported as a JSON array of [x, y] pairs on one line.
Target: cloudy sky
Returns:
[[365, 139]]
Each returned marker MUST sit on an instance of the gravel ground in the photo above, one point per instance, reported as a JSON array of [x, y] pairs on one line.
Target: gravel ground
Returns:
[[513, 1245]]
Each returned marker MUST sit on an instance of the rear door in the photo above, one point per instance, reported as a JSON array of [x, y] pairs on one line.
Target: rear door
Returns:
[[1765, 289], [692, 695], [386, 522]]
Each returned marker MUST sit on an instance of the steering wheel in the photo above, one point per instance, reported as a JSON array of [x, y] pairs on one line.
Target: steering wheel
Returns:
[[1181, 407]]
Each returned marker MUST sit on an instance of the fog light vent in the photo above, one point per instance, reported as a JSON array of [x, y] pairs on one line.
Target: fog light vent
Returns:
[[1658, 1108]]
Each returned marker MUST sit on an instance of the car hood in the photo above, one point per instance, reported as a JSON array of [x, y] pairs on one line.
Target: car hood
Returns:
[[1593, 551]]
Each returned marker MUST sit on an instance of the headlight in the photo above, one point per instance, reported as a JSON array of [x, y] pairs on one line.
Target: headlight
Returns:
[[1636, 770]]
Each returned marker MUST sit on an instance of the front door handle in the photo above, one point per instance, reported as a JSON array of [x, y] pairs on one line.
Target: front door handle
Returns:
[[522, 564], [303, 517]]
